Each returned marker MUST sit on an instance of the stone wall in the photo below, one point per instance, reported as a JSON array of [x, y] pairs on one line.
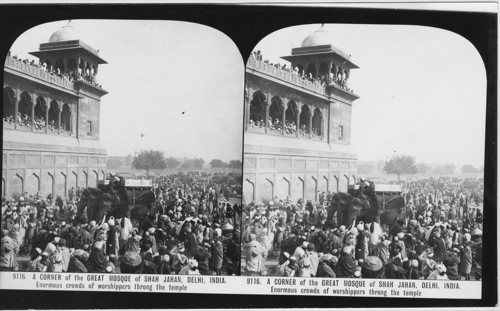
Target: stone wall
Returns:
[[49, 172], [298, 177]]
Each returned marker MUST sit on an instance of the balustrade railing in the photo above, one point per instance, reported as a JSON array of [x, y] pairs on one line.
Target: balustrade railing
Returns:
[[38, 72], [287, 75]]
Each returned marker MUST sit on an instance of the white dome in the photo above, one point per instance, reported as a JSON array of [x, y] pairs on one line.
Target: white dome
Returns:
[[66, 33], [319, 37]]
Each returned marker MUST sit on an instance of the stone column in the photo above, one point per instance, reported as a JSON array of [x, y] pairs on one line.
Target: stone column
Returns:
[[269, 102], [59, 120], [329, 72], [299, 108], [47, 108], [283, 119], [247, 108], [16, 107], [310, 121], [71, 123], [33, 96], [322, 127]]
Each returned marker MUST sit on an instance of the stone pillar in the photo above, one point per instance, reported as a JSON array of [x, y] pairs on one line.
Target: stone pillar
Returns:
[[47, 108], [33, 96], [16, 107], [310, 121], [329, 72], [322, 127], [299, 108], [59, 120], [71, 124], [269, 102], [247, 108], [283, 119]]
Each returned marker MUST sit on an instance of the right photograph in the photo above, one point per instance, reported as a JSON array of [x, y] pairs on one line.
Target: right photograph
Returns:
[[364, 154]]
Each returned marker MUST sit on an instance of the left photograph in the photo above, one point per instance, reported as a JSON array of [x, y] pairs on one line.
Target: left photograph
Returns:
[[122, 149]]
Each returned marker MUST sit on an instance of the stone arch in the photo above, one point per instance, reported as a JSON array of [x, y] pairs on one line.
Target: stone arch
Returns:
[[344, 183], [54, 115], [258, 107], [9, 103], [40, 113], [16, 185], [282, 188], [103, 175], [66, 118], [317, 122], [93, 178], [33, 184], [276, 112], [354, 180], [60, 66], [301, 69], [72, 66], [334, 70], [305, 114], [335, 184], [61, 184], [24, 108], [311, 69], [48, 64], [81, 67], [248, 191], [298, 189], [87, 70], [266, 189], [85, 180], [291, 112], [312, 189], [72, 181], [48, 185], [323, 70], [323, 184]]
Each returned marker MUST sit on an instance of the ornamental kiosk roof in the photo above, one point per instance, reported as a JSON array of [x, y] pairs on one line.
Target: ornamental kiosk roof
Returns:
[[319, 43]]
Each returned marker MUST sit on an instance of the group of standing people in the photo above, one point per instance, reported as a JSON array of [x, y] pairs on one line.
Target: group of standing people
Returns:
[[437, 236], [187, 231]]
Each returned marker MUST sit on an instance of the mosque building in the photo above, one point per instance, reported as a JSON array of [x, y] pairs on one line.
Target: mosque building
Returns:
[[51, 117], [297, 132]]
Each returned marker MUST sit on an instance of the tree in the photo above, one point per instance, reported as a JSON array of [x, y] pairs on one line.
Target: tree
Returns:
[[216, 163], [149, 160], [172, 163], [423, 168], [468, 169], [198, 163], [446, 169], [235, 164], [400, 165]]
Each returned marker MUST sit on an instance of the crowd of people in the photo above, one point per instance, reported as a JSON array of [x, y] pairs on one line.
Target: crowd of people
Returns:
[[38, 122], [71, 75], [191, 228], [290, 127], [338, 76], [437, 235]]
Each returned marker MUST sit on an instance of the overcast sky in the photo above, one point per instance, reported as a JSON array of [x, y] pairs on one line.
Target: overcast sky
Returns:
[[180, 84], [422, 89]]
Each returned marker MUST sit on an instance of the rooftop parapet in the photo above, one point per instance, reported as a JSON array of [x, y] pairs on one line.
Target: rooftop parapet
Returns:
[[39, 72]]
